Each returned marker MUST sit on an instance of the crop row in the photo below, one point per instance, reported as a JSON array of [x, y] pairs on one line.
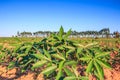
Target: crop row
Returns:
[[59, 58]]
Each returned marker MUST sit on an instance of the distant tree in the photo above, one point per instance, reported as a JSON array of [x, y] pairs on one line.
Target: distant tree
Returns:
[[117, 34], [105, 32], [18, 33], [25, 34]]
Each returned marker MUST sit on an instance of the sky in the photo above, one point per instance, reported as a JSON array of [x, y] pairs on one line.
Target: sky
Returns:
[[49, 15]]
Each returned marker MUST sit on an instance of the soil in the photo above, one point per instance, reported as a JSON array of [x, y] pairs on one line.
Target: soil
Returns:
[[13, 74]]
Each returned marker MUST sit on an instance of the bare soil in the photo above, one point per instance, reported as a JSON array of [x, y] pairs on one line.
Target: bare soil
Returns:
[[13, 74]]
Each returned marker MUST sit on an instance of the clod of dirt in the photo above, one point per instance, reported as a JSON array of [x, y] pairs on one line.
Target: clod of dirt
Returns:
[[40, 77]]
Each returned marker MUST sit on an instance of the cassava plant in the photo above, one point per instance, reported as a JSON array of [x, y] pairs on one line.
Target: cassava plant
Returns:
[[95, 60], [57, 57]]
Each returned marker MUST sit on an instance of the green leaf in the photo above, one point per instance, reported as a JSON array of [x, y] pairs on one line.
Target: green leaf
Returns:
[[61, 64], [27, 63], [47, 53], [49, 70], [91, 44], [39, 64], [70, 78], [99, 70], [38, 56], [23, 47], [70, 63], [58, 43], [89, 67], [85, 58], [67, 34], [102, 55], [59, 74], [69, 72], [11, 65], [58, 56], [28, 49], [79, 50], [70, 47], [75, 78], [61, 32], [2, 54], [68, 52], [79, 45], [103, 63], [41, 56], [96, 74], [21, 55]]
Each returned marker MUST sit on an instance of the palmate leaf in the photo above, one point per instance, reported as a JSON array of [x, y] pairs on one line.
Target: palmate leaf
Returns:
[[70, 78], [86, 58], [27, 63], [67, 34], [90, 66], [39, 64], [79, 45], [70, 47], [61, 32], [99, 70], [58, 56], [59, 74], [44, 40], [2, 55], [11, 65], [38, 56], [75, 78], [68, 72], [79, 50], [102, 54], [23, 47], [49, 70], [17, 48], [103, 63], [96, 74], [69, 52], [41, 56], [47, 53], [58, 43], [70, 63], [21, 55], [28, 49], [91, 44]]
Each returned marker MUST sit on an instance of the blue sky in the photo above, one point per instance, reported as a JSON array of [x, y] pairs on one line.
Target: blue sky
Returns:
[[36, 15]]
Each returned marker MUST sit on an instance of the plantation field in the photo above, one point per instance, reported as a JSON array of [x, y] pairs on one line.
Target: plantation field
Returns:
[[12, 42], [59, 57]]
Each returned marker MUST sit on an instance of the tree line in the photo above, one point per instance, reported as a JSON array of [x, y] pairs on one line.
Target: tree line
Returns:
[[103, 33]]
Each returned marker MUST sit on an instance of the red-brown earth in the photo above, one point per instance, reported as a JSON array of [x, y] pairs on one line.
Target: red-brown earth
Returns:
[[13, 74]]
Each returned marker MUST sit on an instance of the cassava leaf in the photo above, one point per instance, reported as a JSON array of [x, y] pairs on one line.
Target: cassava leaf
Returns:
[[58, 56], [59, 74], [39, 64], [89, 67], [61, 31], [102, 54], [49, 70], [67, 34], [86, 58], [69, 72], [103, 63], [70, 63], [99, 70]]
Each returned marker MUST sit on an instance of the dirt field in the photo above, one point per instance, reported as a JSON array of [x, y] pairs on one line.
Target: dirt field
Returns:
[[13, 74]]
